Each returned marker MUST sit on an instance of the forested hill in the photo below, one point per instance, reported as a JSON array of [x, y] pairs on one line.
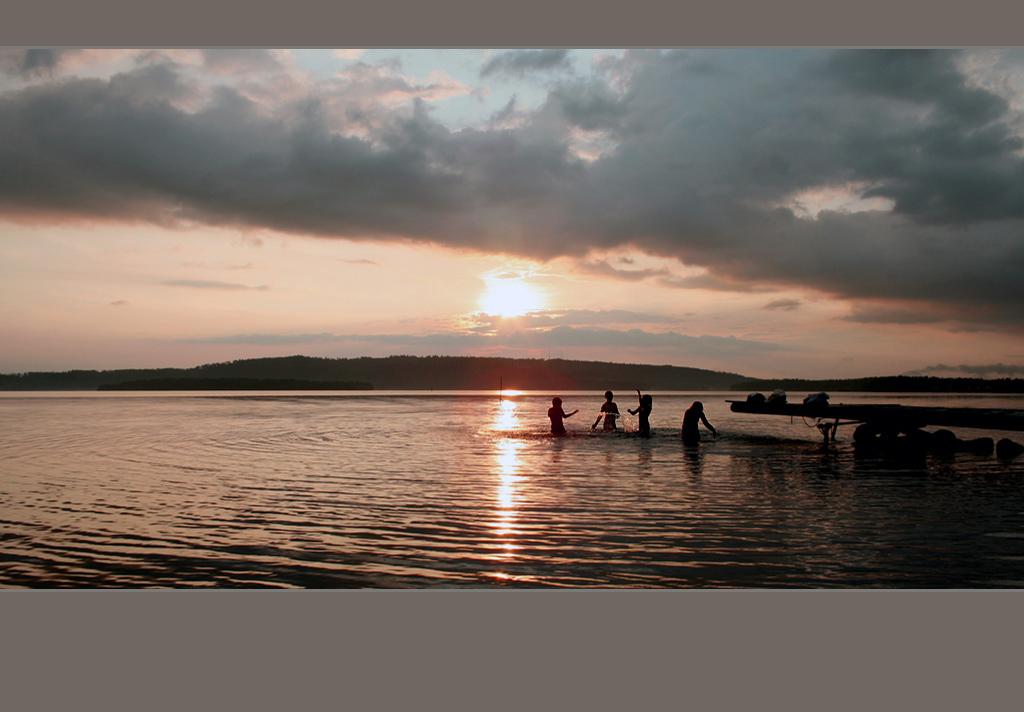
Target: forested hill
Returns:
[[396, 373]]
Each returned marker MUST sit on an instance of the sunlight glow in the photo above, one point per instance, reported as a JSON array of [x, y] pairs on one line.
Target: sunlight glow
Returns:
[[509, 297]]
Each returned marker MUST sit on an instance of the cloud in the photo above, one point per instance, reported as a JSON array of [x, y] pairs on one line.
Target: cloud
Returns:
[[544, 319], [663, 277], [589, 105], [49, 63], [601, 316], [349, 53], [712, 187], [783, 304], [517, 63], [602, 268], [358, 262], [366, 93], [713, 283], [539, 339], [227, 267], [709, 157], [565, 336], [272, 339], [29, 62], [204, 284], [884, 314]]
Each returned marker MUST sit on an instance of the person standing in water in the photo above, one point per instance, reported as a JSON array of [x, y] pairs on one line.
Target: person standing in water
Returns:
[[555, 413], [644, 409], [692, 419], [609, 411]]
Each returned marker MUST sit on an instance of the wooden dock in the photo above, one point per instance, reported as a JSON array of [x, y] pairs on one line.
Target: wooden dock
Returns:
[[902, 426], [901, 418]]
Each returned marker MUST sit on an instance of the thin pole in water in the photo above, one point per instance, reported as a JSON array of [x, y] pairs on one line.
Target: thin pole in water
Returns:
[[501, 388]]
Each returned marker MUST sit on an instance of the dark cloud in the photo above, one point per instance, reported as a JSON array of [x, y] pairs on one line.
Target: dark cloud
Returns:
[[710, 188], [958, 163], [116, 150], [928, 77], [885, 314], [602, 268], [33, 61], [591, 106], [517, 63], [711, 282], [663, 277], [707, 154]]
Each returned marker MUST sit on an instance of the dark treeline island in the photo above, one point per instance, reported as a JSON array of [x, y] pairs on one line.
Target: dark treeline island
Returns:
[[389, 373], [233, 384], [468, 373]]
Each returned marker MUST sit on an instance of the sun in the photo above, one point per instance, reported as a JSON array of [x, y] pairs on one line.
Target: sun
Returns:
[[509, 297]]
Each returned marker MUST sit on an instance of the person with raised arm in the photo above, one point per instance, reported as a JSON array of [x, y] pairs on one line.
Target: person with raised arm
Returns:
[[644, 409]]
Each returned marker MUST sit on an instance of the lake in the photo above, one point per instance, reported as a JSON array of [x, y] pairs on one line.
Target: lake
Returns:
[[463, 490]]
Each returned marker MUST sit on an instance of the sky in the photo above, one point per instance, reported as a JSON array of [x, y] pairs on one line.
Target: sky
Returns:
[[804, 213]]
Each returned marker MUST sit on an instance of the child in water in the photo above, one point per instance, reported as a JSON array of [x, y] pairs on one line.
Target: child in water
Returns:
[[556, 414], [609, 411], [644, 409], [692, 418]]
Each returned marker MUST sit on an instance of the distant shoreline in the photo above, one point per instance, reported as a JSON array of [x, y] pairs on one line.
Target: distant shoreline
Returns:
[[472, 373], [393, 373]]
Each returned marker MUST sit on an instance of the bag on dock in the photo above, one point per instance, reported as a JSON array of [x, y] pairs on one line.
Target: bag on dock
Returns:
[[820, 398]]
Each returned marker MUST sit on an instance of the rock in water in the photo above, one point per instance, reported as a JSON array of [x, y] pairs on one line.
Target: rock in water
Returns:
[[1008, 449]]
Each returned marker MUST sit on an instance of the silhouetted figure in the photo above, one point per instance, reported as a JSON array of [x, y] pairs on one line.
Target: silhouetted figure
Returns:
[[644, 409], [692, 419], [609, 411], [556, 414]]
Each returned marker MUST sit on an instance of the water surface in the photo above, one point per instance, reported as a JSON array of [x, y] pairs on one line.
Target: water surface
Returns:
[[419, 489]]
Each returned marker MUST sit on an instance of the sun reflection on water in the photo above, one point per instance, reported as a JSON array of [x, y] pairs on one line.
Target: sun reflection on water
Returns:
[[506, 418], [508, 484], [507, 464]]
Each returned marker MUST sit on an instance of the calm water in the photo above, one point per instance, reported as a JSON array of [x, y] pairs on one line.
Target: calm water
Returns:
[[461, 490]]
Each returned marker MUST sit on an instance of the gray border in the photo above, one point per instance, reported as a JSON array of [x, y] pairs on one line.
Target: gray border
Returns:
[[386, 650], [533, 23]]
